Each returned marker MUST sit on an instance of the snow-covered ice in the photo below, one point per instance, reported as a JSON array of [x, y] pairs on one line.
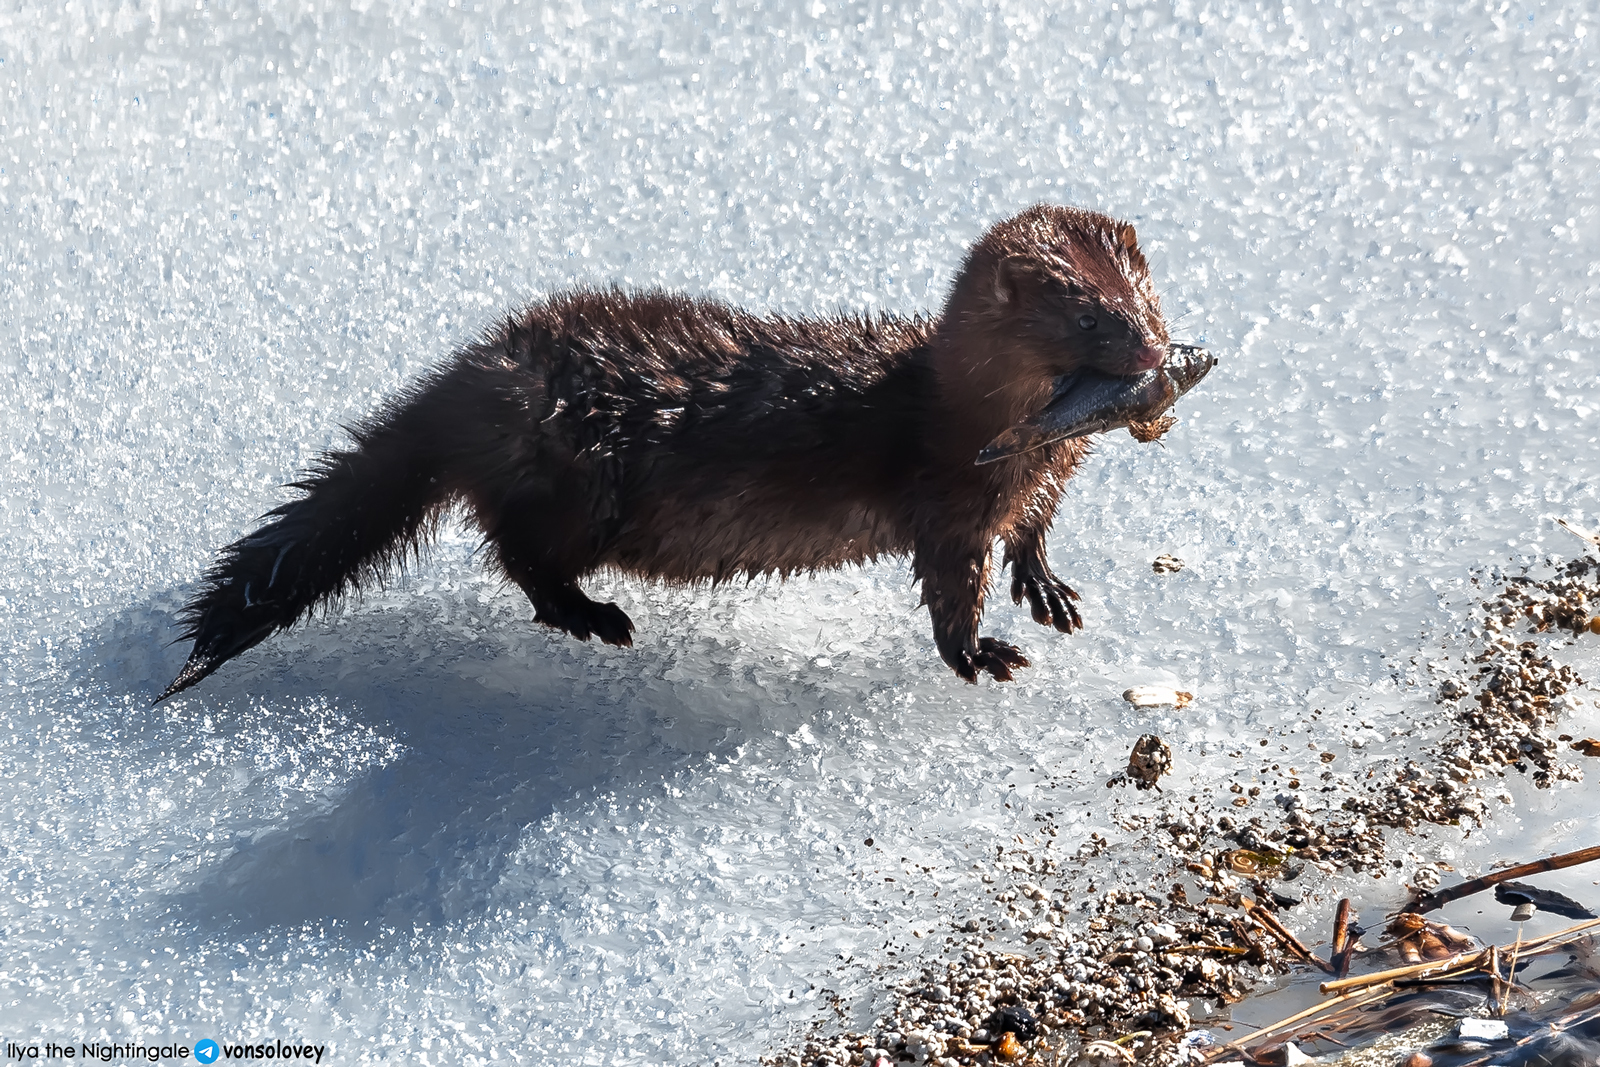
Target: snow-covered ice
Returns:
[[425, 830]]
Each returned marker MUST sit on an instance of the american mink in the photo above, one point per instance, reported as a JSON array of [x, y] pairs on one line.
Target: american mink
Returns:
[[687, 440]]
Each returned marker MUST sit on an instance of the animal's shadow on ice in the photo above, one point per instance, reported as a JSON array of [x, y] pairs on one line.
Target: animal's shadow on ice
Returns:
[[497, 729]]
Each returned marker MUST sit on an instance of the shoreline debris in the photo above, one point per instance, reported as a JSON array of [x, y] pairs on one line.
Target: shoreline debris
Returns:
[[1154, 965], [1353, 998]]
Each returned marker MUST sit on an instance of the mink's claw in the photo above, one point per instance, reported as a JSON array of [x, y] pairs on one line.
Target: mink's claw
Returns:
[[996, 658], [1049, 599]]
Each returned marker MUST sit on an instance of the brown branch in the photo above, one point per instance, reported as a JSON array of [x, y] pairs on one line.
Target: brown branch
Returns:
[[1438, 899], [1341, 939], [1269, 922]]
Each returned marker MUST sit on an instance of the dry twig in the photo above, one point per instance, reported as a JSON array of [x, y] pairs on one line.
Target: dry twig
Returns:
[[1579, 532], [1438, 899], [1468, 960]]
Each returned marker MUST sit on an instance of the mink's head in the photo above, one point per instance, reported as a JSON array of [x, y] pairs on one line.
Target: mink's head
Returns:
[[1067, 287]]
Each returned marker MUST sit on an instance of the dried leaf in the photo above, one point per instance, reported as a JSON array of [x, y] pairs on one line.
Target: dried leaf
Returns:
[[1145, 432]]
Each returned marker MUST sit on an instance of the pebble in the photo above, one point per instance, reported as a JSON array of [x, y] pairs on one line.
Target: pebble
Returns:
[[1150, 759], [1427, 878], [1014, 1020], [1162, 933]]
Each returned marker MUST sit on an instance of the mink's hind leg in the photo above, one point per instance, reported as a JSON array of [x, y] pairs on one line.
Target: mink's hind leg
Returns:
[[1049, 598], [564, 606], [544, 547]]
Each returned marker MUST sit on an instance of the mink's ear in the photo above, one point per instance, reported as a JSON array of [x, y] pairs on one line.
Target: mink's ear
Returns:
[[1129, 239], [1010, 275]]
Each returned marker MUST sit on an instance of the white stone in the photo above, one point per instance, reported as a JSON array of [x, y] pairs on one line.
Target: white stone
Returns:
[[1483, 1030]]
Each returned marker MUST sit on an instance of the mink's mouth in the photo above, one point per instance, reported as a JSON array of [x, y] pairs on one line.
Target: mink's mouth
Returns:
[[1085, 402]]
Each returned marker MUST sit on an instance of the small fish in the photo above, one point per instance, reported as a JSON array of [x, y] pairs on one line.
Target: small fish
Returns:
[[1089, 402]]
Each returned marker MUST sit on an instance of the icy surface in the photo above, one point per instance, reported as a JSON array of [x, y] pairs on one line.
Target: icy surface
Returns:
[[424, 829]]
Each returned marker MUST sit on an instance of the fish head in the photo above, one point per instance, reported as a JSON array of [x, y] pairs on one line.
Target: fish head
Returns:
[[1187, 364]]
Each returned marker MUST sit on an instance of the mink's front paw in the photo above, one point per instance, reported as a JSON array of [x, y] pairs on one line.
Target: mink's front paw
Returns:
[[996, 658], [1049, 598], [999, 658]]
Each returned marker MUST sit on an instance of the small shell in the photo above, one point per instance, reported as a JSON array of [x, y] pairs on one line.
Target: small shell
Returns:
[[1454, 940], [1104, 1054], [1157, 696], [1250, 862], [1431, 947]]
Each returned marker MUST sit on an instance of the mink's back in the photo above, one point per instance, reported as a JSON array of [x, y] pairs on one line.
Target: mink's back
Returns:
[[724, 443]]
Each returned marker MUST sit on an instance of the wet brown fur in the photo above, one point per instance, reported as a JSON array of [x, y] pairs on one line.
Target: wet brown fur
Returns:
[[683, 439]]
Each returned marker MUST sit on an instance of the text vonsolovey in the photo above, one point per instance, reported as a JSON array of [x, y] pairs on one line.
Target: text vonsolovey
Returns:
[[271, 1050]]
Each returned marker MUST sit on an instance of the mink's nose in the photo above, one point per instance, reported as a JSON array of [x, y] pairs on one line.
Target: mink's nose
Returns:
[[1148, 358]]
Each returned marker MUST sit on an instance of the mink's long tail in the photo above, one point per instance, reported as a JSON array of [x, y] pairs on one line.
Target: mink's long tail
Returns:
[[362, 509]]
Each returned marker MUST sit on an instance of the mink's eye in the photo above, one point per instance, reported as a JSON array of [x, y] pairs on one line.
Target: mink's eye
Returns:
[[1086, 322]]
